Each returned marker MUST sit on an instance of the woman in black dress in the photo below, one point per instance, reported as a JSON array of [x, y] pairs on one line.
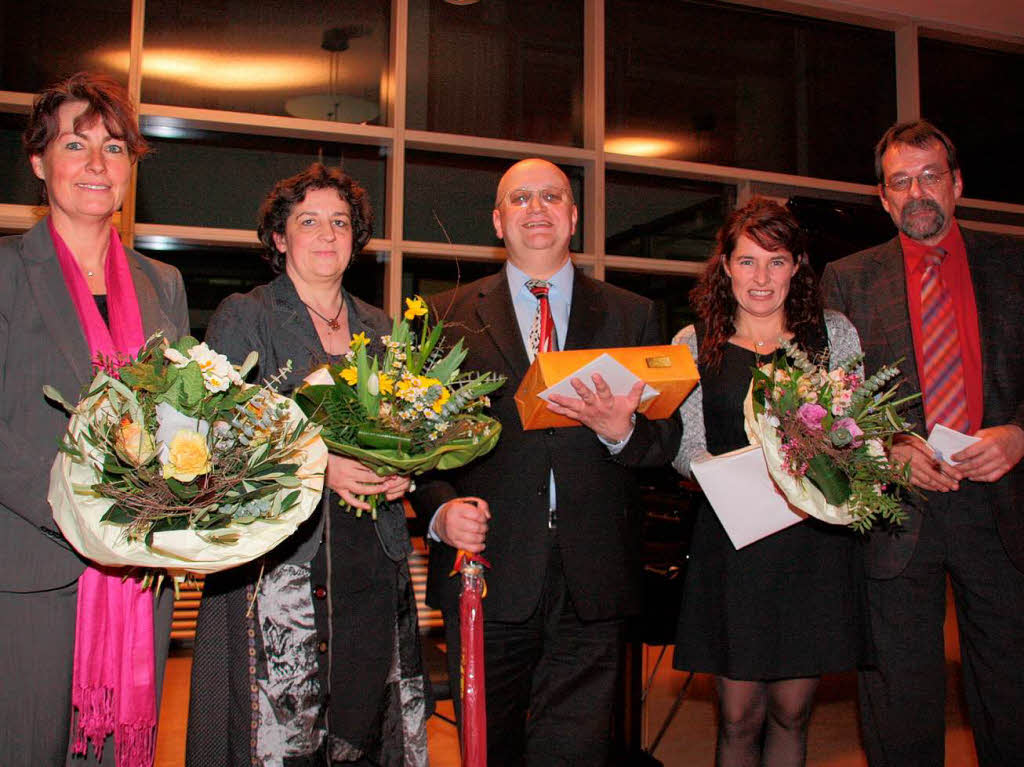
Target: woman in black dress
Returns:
[[768, 619], [311, 656]]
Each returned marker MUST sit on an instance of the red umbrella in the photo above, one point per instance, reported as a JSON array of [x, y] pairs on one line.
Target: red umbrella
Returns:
[[471, 631]]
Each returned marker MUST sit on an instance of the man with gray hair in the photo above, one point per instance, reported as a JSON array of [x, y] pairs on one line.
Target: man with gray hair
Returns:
[[946, 301]]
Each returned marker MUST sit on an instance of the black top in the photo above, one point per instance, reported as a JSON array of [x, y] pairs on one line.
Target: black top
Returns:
[[786, 606]]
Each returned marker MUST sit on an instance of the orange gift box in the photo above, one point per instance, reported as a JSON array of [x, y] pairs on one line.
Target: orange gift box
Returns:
[[669, 369]]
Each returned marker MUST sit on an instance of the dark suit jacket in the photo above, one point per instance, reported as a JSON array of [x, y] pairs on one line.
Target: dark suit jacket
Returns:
[[593, 488], [870, 288], [41, 342]]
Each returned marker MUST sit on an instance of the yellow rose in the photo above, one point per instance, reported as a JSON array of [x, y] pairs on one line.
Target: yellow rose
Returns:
[[351, 376], [188, 456], [133, 443], [415, 307]]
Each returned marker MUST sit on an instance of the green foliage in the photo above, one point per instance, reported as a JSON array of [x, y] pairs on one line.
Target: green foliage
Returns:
[[410, 409], [254, 453]]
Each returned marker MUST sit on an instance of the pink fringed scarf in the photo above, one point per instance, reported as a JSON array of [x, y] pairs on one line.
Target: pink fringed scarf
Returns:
[[114, 680]]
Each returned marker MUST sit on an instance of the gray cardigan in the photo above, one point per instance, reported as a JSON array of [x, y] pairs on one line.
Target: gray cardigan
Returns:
[[842, 340]]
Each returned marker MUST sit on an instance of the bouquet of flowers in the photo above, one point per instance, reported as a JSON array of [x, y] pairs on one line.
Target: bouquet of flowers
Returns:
[[408, 412], [824, 434], [173, 462]]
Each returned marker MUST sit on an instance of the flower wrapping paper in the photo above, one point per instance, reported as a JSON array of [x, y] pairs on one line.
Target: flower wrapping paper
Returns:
[[78, 515]]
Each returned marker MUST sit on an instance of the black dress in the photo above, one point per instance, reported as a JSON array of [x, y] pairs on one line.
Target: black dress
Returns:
[[789, 605]]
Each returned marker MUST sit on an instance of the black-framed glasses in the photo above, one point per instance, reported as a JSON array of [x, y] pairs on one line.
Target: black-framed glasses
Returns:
[[926, 180]]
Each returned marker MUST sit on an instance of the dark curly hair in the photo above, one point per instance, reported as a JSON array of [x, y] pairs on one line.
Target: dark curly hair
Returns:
[[288, 192], [107, 100], [774, 228]]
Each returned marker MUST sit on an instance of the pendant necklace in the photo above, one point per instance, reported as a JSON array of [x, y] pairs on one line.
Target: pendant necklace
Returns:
[[332, 323]]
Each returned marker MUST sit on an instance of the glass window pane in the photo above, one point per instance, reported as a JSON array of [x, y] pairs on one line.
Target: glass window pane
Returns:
[[661, 217], [959, 93], [670, 293], [20, 186], [321, 61], [212, 274], [220, 179], [497, 69], [458, 191], [726, 84], [429, 276], [838, 228], [42, 41]]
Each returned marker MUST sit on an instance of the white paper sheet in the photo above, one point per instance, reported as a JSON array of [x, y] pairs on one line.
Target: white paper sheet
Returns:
[[619, 378], [747, 502], [946, 442]]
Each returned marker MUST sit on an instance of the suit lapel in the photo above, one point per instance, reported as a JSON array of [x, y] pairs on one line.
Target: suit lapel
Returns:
[[892, 312], [46, 281], [988, 280], [498, 315], [150, 307], [586, 313]]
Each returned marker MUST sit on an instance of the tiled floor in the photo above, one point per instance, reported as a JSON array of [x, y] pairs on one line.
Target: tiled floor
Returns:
[[689, 740]]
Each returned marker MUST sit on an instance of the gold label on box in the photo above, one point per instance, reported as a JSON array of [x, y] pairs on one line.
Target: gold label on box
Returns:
[[659, 362]]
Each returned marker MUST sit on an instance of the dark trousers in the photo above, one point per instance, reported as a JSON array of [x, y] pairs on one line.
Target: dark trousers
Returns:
[[903, 701], [550, 681], [36, 658]]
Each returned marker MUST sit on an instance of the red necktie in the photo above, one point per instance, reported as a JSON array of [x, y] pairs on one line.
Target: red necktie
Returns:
[[542, 332], [945, 395]]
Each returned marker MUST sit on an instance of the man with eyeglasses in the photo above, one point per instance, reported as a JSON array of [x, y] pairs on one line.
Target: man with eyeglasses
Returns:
[[948, 301], [548, 508]]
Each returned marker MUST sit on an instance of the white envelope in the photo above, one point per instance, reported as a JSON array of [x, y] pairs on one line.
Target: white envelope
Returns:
[[619, 378], [747, 502], [946, 442]]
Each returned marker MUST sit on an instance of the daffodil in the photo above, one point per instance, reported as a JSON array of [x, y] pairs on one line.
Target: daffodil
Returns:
[[358, 340], [415, 307]]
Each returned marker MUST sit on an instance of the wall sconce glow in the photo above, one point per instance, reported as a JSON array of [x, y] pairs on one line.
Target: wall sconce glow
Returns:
[[208, 69], [642, 146]]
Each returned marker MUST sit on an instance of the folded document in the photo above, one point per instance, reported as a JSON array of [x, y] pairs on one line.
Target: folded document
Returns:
[[747, 502]]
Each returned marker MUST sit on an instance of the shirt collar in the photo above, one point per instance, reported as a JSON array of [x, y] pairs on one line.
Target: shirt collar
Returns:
[[561, 281], [914, 251]]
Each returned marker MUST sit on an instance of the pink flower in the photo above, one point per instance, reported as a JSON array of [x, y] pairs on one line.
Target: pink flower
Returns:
[[843, 427], [810, 415]]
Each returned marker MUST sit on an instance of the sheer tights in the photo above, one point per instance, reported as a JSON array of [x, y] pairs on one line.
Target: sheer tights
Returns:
[[763, 723]]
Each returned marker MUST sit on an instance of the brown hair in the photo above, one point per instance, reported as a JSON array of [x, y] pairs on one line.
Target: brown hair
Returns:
[[108, 101], [288, 192], [774, 228], [919, 133]]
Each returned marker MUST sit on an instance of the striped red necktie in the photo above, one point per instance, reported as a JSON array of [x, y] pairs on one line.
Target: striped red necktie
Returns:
[[942, 380], [542, 332]]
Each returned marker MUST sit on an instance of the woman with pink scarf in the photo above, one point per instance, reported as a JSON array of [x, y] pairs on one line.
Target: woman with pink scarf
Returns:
[[80, 660]]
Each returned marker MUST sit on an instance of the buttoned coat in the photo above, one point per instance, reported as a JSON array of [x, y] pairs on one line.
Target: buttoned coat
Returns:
[[593, 487], [870, 288]]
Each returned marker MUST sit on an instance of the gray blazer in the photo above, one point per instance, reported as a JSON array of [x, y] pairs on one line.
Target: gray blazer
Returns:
[[870, 288], [41, 342]]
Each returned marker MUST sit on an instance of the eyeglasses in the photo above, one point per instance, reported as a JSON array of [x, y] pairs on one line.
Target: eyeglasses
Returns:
[[926, 180], [548, 196]]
